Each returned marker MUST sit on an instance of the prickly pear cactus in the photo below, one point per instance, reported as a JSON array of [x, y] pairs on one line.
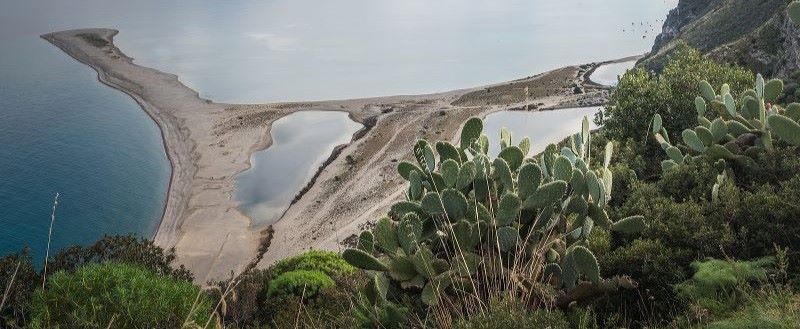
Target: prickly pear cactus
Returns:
[[739, 131], [468, 220]]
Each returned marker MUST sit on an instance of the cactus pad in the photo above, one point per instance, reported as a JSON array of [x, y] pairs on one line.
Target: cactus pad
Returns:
[[363, 260], [629, 225], [786, 129], [471, 132]]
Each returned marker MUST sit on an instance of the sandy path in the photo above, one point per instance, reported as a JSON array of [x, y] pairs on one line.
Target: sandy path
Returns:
[[209, 143]]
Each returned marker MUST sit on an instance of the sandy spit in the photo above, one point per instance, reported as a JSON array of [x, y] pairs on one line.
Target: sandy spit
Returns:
[[209, 143]]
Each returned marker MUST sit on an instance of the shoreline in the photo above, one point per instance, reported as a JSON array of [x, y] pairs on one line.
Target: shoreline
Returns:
[[616, 61], [102, 77], [209, 143]]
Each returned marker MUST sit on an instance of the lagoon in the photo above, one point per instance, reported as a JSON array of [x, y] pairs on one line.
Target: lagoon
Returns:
[[300, 144], [543, 127], [62, 131]]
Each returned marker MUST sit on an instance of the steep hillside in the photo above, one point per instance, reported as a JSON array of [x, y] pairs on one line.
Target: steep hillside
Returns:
[[753, 33]]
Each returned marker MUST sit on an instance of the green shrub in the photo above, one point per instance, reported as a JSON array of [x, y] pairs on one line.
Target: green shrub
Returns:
[[763, 218], [299, 283], [331, 308], [126, 249], [713, 277], [331, 263], [656, 267], [641, 94], [511, 314], [19, 278], [782, 164], [692, 181], [128, 296], [679, 225], [776, 309], [737, 294]]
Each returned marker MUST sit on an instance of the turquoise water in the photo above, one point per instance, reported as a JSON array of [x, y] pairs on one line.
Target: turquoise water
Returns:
[[300, 144], [62, 131]]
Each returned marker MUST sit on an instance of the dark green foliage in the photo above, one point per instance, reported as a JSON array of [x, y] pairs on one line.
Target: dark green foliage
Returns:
[[121, 249], [656, 267], [331, 308], [244, 305], [328, 262], [511, 314], [737, 294], [689, 182], [771, 309], [130, 296], [754, 212], [765, 217], [680, 225], [19, 268], [640, 95]]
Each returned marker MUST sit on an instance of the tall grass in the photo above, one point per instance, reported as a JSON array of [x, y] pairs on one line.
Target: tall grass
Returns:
[[517, 281]]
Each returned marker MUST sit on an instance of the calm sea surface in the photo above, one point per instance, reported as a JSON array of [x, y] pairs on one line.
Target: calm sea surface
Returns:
[[62, 131]]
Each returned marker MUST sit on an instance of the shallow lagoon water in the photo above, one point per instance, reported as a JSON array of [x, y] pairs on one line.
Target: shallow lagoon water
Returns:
[[608, 74], [543, 128], [300, 144]]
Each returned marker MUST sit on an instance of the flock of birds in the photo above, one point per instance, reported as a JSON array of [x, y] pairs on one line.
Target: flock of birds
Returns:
[[644, 28]]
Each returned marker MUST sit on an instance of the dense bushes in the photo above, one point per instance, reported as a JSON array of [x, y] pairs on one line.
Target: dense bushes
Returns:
[[123, 249], [315, 289], [328, 262], [505, 313], [119, 249], [305, 284], [18, 279], [750, 213], [117, 295], [332, 307], [641, 94]]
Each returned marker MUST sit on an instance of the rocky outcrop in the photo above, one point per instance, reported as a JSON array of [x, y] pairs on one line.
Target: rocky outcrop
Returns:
[[752, 33], [685, 12]]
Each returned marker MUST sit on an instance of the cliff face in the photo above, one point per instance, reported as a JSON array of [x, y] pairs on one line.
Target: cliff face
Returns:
[[753, 33]]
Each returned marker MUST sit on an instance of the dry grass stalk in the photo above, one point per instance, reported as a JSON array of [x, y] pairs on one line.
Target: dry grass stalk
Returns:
[[9, 285], [49, 239]]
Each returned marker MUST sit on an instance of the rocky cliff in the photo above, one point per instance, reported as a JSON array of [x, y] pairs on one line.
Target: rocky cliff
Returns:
[[753, 33]]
